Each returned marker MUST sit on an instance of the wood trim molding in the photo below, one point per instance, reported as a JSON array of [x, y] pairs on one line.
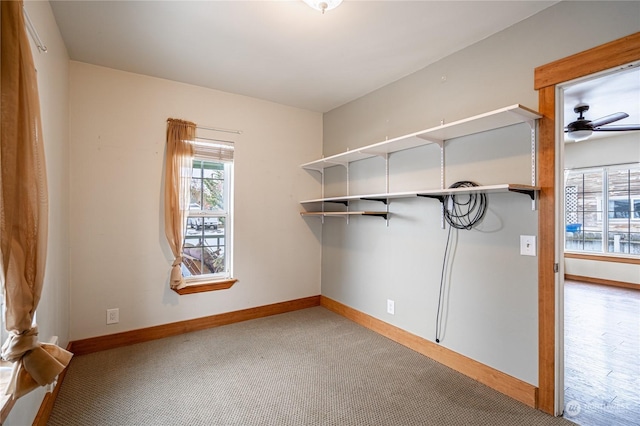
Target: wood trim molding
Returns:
[[202, 288], [600, 258], [508, 385], [546, 77], [616, 53], [6, 404], [546, 257], [602, 281], [100, 343]]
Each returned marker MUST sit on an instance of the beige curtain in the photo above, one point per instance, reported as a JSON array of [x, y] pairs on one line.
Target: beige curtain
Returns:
[[177, 190], [23, 211]]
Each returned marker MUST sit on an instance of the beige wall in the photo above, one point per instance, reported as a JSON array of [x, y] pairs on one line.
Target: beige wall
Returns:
[[120, 258], [621, 148], [611, 271], [492, 303], [53, 84]]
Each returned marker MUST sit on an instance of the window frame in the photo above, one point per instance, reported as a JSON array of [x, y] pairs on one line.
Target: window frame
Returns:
[[219, 280]]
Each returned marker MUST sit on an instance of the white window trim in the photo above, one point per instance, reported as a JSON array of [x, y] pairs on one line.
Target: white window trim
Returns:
[[227, 214]]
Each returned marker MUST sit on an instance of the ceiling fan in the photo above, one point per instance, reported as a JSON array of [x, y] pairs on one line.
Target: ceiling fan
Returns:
[[582, 128]]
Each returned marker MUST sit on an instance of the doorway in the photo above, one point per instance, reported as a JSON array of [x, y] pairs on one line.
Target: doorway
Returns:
[[599, 231], [617, 53]]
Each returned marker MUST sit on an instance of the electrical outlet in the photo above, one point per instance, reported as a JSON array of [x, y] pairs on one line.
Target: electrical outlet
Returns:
[[113, 316], [528, 245], [391, 307]]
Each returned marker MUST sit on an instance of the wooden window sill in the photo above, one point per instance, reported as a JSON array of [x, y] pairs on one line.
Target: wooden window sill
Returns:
[[603, 258], [200, 287]]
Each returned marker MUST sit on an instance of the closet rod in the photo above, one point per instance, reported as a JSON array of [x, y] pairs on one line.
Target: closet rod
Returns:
[[216, 129], [33, 32]]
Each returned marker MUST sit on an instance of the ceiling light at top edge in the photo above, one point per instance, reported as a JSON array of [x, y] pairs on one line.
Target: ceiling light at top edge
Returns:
[[323, 5]]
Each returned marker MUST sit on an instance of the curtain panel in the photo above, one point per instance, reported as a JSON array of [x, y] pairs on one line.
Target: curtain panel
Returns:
[[23, 211], [178, 170]]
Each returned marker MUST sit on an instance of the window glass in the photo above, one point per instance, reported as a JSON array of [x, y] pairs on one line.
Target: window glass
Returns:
[[583, 210], [588, 225], [206, 243]]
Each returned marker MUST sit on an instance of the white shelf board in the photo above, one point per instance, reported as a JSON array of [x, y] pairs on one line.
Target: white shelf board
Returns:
[[381, 196], [504, 187], [507, 116], [359, 213], [332, 199], [487, 189], [503, 117], [378, 149]]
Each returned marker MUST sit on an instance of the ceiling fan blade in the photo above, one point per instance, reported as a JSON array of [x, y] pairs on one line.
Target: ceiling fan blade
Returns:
[[617, 128], [609, 119]]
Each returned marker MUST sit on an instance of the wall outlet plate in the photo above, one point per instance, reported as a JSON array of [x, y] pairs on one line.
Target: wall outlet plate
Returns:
[[528, 245], [391, 307], [113, 316]]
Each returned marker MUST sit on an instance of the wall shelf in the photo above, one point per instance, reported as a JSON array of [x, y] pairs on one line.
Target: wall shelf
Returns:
[[488, 189], [345, 214], [373, 197], [435, 193], [503, 117]]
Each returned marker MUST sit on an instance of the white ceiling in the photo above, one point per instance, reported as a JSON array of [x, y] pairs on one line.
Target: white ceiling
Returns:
[[606, 93], [281, 51]]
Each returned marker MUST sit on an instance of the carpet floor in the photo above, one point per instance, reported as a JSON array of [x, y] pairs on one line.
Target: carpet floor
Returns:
[[308, 367]]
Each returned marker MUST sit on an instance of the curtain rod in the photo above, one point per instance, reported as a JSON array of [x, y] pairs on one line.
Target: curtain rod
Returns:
[[216, 129], [33, 32]]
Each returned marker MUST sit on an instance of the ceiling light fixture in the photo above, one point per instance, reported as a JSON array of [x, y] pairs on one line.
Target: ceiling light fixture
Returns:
[[323, 5]]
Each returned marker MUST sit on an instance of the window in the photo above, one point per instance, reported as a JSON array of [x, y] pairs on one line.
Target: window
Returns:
[[591, 228], [207, 238]]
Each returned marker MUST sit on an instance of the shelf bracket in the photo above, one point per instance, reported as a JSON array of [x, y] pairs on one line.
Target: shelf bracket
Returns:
[[382, 215], [437, 141], [437, 197], [343, 202], [384, 201], [531, 193], [375, 153], [314, 169], [338, 163]]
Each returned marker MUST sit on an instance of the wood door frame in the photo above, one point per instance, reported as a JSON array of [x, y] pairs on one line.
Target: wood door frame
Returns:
[[601, 58]]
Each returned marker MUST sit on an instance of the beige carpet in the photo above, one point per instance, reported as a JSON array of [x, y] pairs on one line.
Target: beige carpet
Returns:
[[309, 367]]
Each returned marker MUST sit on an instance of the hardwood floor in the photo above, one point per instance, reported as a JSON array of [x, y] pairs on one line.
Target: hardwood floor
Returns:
[[602, 355]]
